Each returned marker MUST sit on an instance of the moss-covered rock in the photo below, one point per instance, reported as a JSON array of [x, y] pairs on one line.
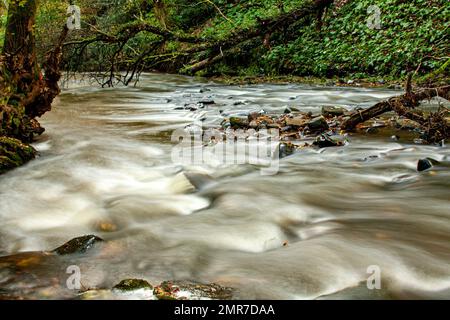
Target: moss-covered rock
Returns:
[[132, 284], [186, 290], [14, 153]]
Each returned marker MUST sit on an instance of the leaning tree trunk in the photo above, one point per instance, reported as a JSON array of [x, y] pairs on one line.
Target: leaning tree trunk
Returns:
[[24, 92], [19, 47]]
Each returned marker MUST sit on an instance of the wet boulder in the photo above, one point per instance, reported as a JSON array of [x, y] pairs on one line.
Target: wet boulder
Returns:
[[14, 153], [185, 290], [298, 121], [238, 122], [425, 164], [78, 245], [325, 141], [318, 124], [132, 285], [330, 111], [285, 149], [257, 120]]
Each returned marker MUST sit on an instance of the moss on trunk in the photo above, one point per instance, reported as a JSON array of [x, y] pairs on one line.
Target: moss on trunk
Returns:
[[25, 93]]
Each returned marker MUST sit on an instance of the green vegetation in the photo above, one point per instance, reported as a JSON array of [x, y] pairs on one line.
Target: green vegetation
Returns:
[[413, 36]]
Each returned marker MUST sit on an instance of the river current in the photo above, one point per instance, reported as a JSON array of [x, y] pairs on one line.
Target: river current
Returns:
[[318, 228]]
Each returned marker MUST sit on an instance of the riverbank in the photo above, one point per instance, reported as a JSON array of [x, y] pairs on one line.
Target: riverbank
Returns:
[[375, 82]]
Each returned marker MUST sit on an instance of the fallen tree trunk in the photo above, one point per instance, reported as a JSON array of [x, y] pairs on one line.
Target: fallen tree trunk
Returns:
[[435, 125], [398, 104], [262, 28]]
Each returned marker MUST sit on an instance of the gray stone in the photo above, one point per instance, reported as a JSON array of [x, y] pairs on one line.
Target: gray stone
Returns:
[[330, 111], [318, 124]]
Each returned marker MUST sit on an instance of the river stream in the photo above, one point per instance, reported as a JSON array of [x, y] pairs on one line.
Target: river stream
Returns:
[[318, 228]]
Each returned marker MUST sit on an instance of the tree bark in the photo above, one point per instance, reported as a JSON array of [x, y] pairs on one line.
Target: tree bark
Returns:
[[19, 46], [24, 92]]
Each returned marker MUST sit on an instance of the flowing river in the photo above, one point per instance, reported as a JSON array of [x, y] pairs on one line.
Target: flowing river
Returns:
[[319, 228]]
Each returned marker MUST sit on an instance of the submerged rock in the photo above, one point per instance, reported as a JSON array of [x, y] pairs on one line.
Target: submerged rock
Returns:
[[132, 284], [187, 107], [78, 245], [425, 164], [372, 130], [406, 124], [207, 102]]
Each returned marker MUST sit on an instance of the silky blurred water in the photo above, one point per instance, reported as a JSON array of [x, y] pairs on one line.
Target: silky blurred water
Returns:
[[310, 231]]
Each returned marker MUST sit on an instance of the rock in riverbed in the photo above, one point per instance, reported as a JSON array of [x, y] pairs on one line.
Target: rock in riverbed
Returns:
[[286, 149], [207, 102], [330, 111], [239, 122], [318, 124], [325, 141], [425, 164], [132, 284], [298, 121], [184, 290], [78, 245]]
